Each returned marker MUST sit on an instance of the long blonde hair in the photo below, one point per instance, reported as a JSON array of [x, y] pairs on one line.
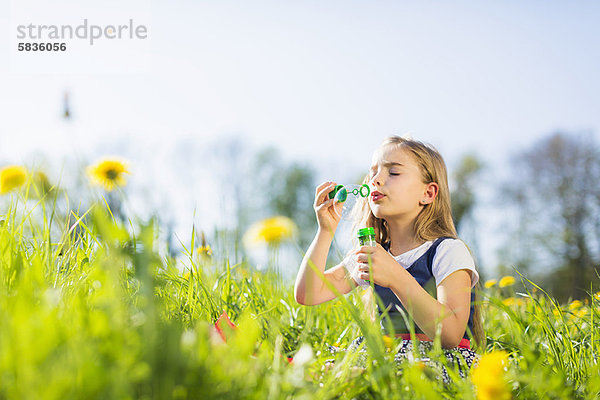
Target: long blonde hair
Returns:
[[434, 220]]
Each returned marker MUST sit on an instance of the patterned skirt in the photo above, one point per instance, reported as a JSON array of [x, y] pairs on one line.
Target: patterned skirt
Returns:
[[463, 358]]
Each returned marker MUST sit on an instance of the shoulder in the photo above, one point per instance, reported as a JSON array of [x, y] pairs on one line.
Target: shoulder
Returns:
[[450, 256], [454, 248]]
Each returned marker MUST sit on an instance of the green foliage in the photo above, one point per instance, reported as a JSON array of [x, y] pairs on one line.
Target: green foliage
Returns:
[[286, 189], [100, 313], [463, 193], [558, 212]]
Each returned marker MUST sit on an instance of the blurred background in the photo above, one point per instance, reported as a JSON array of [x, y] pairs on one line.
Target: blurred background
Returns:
[[230, 112]]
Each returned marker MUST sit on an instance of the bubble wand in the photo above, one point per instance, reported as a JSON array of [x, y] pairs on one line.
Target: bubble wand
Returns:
[[341, 192]]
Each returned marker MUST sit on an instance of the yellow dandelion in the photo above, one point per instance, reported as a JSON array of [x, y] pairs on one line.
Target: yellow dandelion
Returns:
[[420, 365], [12, 177], [108, 173], [521, 302], [511, 301], [489, 283], [489, 377], [506, 281], [271, 231], [575, 304], [388, 342], [556, 312], [204, 251]]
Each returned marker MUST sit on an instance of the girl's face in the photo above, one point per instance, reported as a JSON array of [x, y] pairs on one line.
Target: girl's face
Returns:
[[397, 188]]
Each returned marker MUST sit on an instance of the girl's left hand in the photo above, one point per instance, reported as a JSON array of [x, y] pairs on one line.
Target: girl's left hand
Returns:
[[383, 269]]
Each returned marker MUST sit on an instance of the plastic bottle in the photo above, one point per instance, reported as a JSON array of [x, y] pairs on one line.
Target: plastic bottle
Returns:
[[366, 237]]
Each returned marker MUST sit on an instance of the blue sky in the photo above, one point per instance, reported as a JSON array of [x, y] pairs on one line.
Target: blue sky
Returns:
[[324, 81]]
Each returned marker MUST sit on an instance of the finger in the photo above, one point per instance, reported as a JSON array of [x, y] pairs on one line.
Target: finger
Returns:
[[321, 186], [323, 194], [326, 204], [365, 250], [364, 276], [319, 189], [362, 267], [362, 258]]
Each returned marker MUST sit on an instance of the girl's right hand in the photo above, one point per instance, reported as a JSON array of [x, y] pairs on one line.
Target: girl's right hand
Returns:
[[328, 210]]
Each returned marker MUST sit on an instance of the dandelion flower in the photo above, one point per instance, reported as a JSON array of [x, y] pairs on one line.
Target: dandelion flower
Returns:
[[388, 342], [108, 173], [506, 281], [489, 283], [271, 231], [489, 377], [575, 304], [511, 301], [556, 312], [12, 177], [520, 302], [204, 251]]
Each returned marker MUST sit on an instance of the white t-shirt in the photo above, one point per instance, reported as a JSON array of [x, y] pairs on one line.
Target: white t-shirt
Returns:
[[451, 255]]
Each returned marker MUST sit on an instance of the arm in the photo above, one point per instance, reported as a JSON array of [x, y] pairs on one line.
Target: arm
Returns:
[[310, 289], [450, 309]]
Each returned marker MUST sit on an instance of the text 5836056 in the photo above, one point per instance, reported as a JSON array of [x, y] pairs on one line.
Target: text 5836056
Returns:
[[41, 46]]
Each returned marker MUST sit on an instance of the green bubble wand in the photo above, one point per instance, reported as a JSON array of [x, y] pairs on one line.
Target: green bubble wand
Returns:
[[341, 192]]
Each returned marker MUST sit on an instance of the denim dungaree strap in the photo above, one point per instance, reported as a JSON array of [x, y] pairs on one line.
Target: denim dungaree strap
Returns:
[[421, 270]]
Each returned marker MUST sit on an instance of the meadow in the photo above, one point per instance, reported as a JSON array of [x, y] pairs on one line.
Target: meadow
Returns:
[[92, 306]]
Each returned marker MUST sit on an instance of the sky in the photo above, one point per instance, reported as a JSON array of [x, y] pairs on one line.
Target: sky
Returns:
[[322, 81]]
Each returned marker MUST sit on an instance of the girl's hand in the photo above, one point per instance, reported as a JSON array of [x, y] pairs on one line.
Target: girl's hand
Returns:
[[383, 268], [328, 210]]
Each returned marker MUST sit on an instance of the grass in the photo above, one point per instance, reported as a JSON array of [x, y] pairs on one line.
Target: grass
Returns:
[[91, 308]]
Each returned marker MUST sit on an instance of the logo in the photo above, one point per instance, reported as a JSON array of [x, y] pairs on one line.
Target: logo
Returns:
[[89, 32]]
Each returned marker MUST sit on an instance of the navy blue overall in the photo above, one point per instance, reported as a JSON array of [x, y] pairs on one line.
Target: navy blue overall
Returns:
[[421, 271]]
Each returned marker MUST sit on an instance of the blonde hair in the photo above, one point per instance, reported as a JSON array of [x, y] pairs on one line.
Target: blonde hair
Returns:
[[434, 220]]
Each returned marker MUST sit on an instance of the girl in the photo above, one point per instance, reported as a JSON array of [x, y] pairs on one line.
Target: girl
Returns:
[[418, 265]]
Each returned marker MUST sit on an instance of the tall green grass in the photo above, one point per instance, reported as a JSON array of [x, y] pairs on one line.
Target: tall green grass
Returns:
[[90, 308]]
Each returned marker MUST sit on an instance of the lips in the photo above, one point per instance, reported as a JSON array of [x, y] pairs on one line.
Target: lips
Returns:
[[376, 196]]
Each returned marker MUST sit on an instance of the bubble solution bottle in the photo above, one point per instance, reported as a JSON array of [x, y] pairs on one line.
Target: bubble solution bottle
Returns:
[[366, 237]]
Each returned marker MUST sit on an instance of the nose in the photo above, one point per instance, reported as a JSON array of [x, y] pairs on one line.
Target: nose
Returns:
[[377, 180]]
